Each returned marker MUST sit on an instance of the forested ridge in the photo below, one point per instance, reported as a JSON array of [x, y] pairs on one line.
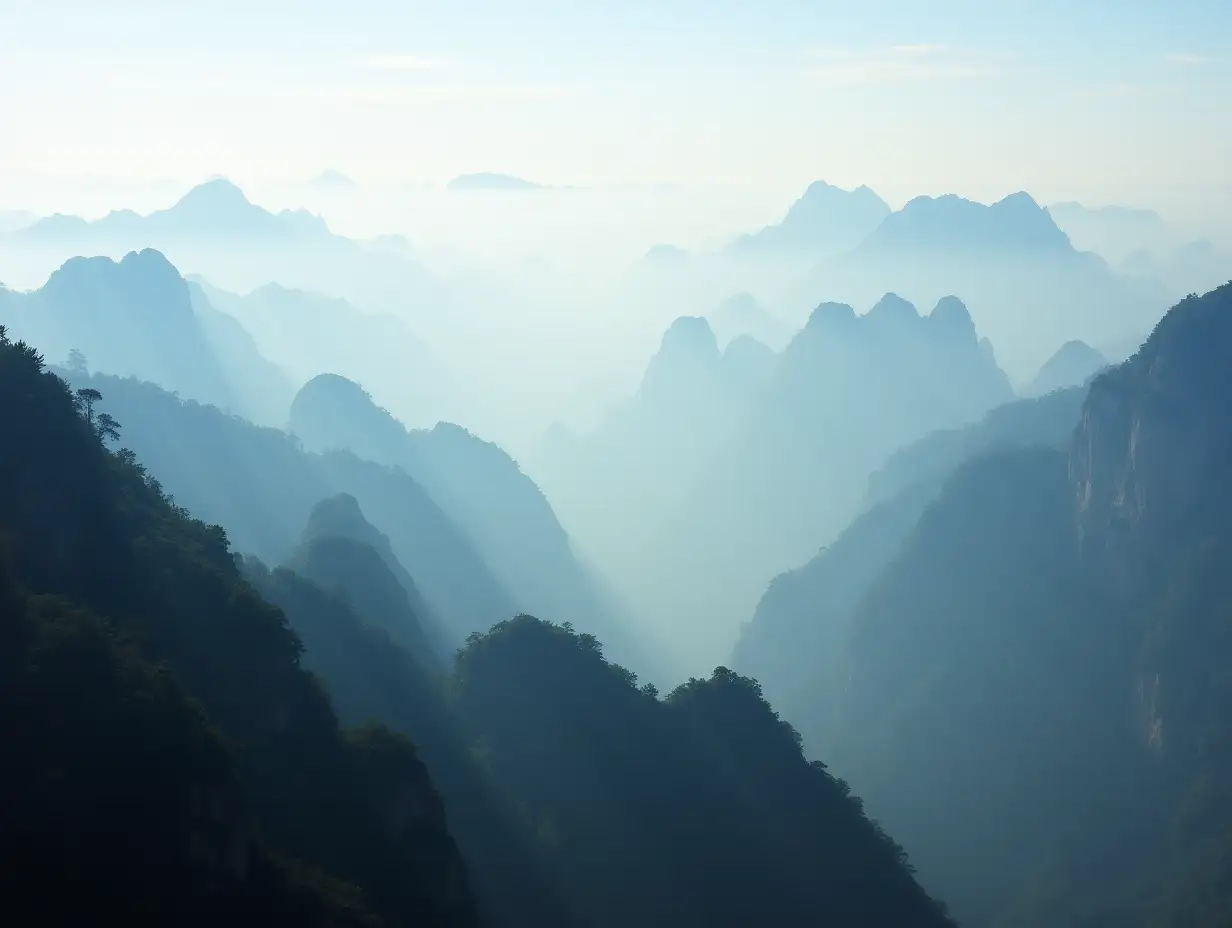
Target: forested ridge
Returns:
[[180, 756]]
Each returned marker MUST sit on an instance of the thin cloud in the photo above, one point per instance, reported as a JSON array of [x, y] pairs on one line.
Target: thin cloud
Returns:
[[405, 63], [1191, 60], [896, 64], [402, 95]]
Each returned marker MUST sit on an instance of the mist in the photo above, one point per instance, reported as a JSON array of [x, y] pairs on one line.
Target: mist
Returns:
[[608, 465]]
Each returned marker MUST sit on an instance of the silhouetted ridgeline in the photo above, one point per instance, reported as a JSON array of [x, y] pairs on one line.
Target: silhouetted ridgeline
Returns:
[[125, 800], [698, 495], [1028, 688], [139, 662]]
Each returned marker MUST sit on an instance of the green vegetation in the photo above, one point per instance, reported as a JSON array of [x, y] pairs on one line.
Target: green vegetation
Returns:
[[154, 805]]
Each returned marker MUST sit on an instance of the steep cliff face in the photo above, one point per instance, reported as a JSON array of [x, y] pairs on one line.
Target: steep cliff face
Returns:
[[1042, 664], [1152, 446]]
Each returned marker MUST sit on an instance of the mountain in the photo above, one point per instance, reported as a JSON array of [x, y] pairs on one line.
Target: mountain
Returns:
[[342, 550], [357, 612], [216, 209], [484, 492], [1030, 289], [613, 485], [134, 317], [491, 182], [261, 486], [824, 220], [150, 692], [666, 255], [216, 232], [1047, 420], [1073, 365], [255, 800], [333, 181], [696, 808], [309, 334], [743, 315], [262, 388], [795, 639], [846, 392], [1038, 665]]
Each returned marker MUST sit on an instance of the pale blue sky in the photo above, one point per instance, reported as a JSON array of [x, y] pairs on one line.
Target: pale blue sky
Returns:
[[1096, 99]]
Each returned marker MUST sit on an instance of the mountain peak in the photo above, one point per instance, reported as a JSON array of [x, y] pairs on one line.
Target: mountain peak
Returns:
[[831, 316], [218, 195], [824, 218], [690, 335], [338, 515], [892, 308], [951, 315], [149, 266], [950, 221]]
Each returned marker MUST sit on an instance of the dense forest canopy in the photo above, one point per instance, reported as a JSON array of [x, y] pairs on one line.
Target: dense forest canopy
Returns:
[[567, 794]]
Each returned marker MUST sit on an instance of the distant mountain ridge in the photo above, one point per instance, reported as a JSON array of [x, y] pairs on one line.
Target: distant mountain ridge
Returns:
[[1037, 660], [1073, 365], [727, 466], [500, 509], [1030, 288], [824, 219], [214, 209], [133, 317]]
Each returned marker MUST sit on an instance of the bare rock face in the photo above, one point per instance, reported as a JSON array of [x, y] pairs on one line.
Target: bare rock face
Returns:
[[1154, 438], [1148, 470]]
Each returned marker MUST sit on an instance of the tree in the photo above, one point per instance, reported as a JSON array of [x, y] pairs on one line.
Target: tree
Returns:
[[108, 428], [86, 398], [77, 362]]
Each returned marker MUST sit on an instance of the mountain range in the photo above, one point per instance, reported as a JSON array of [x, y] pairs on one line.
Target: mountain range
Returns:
[[1030, 288], [705, 484], [824, 220], [158, 686], [1025, 646]]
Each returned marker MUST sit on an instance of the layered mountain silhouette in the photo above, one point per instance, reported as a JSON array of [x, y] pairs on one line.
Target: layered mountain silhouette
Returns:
[[1073, 365], [150, 692], [340, 550], [293, 759], [1035, 662], [825, 220], [741, 315], [136, 317], [501, 510], [700, 494], [215, 231], [1030, 289], [262, 486], [216, 209], [309, 334], [796, 638]]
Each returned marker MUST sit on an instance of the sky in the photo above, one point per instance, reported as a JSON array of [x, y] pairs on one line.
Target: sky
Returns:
[[1100, 100]]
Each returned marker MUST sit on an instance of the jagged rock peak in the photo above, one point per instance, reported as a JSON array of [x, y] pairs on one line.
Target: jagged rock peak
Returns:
[[218, 193], [832, 316], [951, 315], [333, 384], [893, 308], [1019, 200], [690, 335], [337, 515], [147, 266]]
